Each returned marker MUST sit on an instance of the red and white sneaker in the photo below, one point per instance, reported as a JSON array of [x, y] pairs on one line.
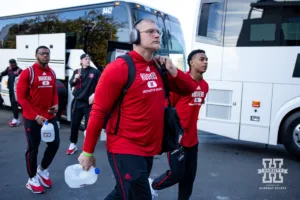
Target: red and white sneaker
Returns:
[[34, 185], [14, 123], [72, 149], [43, 176]]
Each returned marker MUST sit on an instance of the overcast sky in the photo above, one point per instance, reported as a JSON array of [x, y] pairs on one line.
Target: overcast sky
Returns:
[[182, 9]]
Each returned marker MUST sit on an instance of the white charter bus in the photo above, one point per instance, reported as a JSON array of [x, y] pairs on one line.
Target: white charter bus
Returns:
[[253, 48], [101, 30]]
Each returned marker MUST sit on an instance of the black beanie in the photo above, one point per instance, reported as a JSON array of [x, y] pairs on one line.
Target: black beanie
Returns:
[[12, 61], [84, 56]]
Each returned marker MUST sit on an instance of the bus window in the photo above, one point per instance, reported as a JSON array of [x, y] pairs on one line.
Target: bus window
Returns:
[[262, 32], [291, 31], [260, 23], [8, 30], [211, 20], [176, 43], [87, 29]]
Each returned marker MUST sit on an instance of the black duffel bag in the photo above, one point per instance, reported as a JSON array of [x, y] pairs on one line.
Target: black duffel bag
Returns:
[[173, 130]]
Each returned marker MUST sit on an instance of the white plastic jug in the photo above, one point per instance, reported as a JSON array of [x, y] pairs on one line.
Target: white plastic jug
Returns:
[[47, 132], [76, 177]]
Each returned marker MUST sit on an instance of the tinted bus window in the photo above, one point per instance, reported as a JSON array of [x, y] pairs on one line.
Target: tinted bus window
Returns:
[[261, 23], [176, 40], [87, 29], [211, 19], [8, 30]]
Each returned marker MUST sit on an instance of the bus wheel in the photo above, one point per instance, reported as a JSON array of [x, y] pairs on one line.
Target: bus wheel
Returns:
[[290, 134]]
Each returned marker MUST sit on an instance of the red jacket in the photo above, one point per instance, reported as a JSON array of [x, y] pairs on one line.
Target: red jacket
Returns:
[[41, 95], [142, 111], [188, 108]]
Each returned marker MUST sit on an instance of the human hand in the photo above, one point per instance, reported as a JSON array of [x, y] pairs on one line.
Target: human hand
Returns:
[[165, 60], [86, 161]]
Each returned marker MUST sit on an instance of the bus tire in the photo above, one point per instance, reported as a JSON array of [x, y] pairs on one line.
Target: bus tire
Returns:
[[290, 134]]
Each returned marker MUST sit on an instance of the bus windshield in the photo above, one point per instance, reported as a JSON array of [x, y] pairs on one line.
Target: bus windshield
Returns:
[[172, 42]]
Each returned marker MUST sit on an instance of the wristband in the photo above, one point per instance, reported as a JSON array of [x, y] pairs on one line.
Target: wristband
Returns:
[[87, 154]]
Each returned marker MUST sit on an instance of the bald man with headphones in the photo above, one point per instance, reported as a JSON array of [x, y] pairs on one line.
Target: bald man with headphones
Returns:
[[138, 138]]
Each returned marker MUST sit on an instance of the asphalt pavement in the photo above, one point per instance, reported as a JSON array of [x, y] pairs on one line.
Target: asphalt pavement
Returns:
[[227, 169]]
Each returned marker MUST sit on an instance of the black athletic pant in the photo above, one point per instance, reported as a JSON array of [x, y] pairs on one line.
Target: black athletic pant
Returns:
[[77, 115], [33, 136], [14, 104], [182, 172], [131, 173]]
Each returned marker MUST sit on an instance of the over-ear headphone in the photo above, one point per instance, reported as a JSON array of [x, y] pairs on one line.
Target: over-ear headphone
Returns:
[[135, 33]]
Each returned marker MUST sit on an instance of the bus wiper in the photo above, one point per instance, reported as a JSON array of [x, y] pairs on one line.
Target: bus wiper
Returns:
[[170, 39], [163, 38], [169, 35]]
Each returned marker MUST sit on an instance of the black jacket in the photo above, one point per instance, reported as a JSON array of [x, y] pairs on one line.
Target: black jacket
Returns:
[[85, 86], [12, 73]]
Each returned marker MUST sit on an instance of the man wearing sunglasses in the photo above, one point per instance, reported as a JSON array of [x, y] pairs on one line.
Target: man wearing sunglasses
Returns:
[[139, 137], [36, 93]]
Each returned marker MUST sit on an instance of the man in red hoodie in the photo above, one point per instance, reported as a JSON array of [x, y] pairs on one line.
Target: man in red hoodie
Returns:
[[140, 132], [188, 107], [36, 92]]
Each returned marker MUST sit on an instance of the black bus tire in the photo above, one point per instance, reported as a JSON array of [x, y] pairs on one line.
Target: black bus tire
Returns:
[[288, 131]]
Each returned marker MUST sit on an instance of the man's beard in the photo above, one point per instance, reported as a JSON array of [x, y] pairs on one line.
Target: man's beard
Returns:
[[43, 62]]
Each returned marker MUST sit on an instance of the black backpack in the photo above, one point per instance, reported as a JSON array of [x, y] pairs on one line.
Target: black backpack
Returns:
[[172, 128]]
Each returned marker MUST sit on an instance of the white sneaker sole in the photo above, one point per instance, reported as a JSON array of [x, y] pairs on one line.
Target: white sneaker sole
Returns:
[[42, 182], [29, 188]]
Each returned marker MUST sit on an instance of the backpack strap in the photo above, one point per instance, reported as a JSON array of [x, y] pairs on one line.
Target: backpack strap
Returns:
[[53, 73], [164, 75], [131, 78], [31, 75]]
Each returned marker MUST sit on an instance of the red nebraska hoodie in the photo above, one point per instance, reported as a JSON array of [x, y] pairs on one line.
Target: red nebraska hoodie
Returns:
[[188, 108], [142, 111], [38, 97]]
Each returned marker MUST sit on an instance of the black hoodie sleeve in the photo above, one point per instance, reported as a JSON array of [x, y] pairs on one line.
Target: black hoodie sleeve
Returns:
[[72, 84], [4, 73]]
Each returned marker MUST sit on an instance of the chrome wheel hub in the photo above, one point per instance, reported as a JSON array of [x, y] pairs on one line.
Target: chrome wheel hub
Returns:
[[296, 135]]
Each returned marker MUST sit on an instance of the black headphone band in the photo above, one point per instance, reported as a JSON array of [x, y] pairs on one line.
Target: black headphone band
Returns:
[[137, 22]]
